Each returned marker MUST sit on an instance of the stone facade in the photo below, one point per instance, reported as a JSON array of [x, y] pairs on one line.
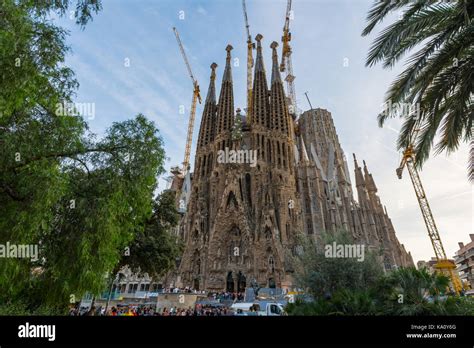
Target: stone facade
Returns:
[[242, 216], [327, 199]]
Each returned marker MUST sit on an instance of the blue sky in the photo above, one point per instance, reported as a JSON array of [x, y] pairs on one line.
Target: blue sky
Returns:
[[325, 34]]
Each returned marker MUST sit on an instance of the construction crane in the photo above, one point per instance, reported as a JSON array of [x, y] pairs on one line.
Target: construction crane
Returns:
[[250, 47], [286, 61], [309, 102], [192, 115], [443, 265]]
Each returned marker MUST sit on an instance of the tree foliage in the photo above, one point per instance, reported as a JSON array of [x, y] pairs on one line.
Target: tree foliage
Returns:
[[405, 291], [321, 276], [439, 76], [81, 200], [155, 251]]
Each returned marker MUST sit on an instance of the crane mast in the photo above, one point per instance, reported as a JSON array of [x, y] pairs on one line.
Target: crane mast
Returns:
[[250, 47], [443, 264], [196, 97], [286, 64]]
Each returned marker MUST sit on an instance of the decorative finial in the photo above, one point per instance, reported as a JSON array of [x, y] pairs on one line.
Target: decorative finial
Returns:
[[259, 37], [213, 72], [274, 45]]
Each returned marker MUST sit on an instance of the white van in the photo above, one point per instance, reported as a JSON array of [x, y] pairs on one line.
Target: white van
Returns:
[[256, 308]]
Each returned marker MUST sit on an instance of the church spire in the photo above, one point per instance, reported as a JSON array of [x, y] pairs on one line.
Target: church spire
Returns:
[[358, 173], [225, 109], [206, 130], [275, 69], [279, 115], [227, 71], [259, 66], [369, 180], [304, 153], [260, 105]]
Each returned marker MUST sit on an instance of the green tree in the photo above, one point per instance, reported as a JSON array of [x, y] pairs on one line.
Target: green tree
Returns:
[[80, 199], [405, 291], [156, 249], [439, 76], [322, 276], [413, 292]]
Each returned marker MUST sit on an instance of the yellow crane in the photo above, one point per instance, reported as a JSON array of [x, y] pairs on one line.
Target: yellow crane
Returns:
[[192, 115], [443, 264], [250, 47], [286, 64]]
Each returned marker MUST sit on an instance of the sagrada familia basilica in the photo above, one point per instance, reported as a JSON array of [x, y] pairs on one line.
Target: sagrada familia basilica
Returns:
[[242, 217]]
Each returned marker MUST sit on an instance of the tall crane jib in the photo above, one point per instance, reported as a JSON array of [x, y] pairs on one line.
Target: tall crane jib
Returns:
[[195, 99], [444, 265], [250, 48], [286, 64]]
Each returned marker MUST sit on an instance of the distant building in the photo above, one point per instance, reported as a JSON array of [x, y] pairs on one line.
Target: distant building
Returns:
[[464, 259], [429, 265]]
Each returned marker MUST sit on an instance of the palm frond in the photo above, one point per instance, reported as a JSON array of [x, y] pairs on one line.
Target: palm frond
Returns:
[[471, 162], [380, 9], [412, 29]]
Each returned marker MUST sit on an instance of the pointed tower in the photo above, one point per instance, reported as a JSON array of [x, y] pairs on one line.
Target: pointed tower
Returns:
[[204, 152], [304, 153], [207, 128], [360, 185], [225, 108], [260, 106], [369, 180], [279, 115]]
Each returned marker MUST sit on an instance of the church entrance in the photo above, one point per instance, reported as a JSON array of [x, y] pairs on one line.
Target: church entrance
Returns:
[[271, 283], [229, 283], [196, 284], [241, 282]]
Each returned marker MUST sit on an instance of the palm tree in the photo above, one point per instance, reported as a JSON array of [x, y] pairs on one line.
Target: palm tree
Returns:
[[439, 77]]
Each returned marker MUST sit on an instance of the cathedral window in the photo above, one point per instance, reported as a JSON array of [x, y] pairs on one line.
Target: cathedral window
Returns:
[[195, 236], [269, 151], [248, 185], [231, 200], [203, 168], [309, 226], [268, 233], [271, 264], [278, 154]]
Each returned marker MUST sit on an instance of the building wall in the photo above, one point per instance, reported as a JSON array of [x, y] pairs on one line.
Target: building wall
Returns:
[[327, 196], [464, 259]]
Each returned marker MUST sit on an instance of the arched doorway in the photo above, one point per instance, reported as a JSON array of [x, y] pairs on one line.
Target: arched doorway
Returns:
[[196, 284], [271, 283], [230, 283], [241, 282]]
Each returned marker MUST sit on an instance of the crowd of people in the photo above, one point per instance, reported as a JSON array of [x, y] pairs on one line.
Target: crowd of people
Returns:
[[234, 296], [217, 304], [199, 310]]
